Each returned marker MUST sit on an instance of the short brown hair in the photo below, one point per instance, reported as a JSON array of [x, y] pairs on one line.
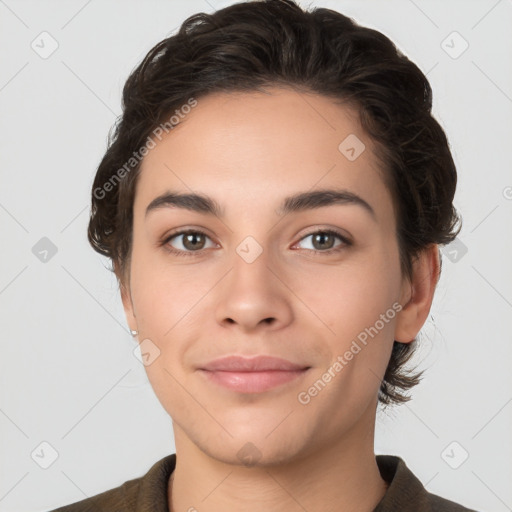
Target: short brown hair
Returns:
[[251, 45]]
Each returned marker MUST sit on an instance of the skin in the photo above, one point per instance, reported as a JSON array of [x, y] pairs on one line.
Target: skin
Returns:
[[248, 151]]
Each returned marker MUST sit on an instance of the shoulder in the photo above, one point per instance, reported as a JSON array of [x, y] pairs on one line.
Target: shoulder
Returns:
[[122, 498], [145, 493], [406, 492], [440, 504]]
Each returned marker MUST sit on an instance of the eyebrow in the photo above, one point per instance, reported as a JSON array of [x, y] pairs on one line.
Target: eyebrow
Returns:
[[299, 202]]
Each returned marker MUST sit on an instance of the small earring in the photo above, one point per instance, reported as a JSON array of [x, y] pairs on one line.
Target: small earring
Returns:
[[134, 333]]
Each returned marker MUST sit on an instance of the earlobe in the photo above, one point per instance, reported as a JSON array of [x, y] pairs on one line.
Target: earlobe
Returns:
[[419, 294]]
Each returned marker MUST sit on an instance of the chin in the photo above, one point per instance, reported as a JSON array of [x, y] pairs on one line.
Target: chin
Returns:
[[254, 449]]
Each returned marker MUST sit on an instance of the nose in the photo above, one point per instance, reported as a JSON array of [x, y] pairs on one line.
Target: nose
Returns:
[[253, 296]]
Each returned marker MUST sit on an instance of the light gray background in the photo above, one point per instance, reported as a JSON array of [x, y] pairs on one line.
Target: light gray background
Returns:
[[68, 375]]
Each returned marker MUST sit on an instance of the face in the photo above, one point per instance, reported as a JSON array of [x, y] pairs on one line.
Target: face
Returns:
[[308, 281]]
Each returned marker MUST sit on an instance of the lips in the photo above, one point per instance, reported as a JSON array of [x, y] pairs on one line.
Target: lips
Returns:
[[253, 364], [252, 375]]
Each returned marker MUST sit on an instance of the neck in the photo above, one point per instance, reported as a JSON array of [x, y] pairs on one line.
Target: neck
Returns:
[[340, 476]]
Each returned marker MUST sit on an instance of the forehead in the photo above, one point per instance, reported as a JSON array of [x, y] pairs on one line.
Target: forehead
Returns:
[[246, 146]]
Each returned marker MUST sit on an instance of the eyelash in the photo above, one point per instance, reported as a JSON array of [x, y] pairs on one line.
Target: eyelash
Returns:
[[177, 252]]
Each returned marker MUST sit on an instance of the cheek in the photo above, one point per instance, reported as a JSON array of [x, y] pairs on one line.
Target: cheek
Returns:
[[172, 304], [165, 294], [167, 315], [350, 296]]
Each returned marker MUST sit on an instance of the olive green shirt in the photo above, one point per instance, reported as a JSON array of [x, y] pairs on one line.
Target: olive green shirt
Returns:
[[149, 493]]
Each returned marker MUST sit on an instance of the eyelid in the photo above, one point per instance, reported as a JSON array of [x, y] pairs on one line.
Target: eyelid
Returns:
[[345, 239], [180, 232]]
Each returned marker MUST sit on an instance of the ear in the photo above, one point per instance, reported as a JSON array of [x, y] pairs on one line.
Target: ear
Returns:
[[417, 294], [126, 298]]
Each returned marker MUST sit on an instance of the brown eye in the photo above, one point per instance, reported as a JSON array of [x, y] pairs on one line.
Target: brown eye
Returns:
[[325, 241], [187, 242], [193, 241]]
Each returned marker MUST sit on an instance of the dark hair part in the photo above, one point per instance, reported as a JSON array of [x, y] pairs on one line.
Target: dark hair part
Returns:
[[251, 45]]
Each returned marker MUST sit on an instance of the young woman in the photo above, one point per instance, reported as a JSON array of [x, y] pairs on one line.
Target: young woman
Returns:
[[273, 201]]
